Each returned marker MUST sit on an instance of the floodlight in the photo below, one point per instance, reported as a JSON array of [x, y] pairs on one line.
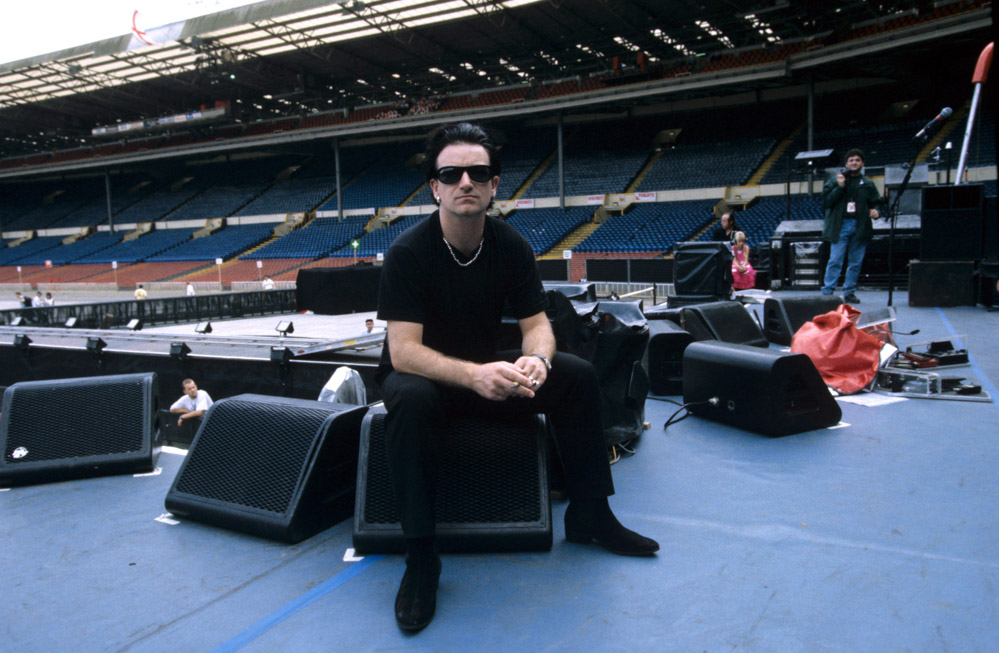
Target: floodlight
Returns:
[[179, 350], [203, 327], [71, 322], [817, 158], [22, 341], [284, 328], [17, 321], [96, 345], [280, 355], [135, 324]]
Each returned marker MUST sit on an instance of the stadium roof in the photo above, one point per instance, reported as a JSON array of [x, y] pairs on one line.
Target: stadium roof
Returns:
[[294, 57]]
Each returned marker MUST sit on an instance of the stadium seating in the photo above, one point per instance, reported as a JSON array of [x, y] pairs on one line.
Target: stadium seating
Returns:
[[80, 249], [318, 238], [385, 182], [649, 227], [597, 159], [31, 249], [707, 165], [140, 249], [543, 228], [234, 187], [303, 191], [378, 241], [760, 220], [223, 244]]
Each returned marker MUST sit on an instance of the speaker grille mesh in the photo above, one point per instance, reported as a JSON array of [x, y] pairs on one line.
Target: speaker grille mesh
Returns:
[[488, 474], [274, 440], [89, 418]]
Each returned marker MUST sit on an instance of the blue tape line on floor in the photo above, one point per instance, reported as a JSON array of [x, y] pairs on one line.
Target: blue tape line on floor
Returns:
[[256, 630], [986, 383]]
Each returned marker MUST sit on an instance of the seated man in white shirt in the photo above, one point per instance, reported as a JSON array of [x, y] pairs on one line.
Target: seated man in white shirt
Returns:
[[193, 405]]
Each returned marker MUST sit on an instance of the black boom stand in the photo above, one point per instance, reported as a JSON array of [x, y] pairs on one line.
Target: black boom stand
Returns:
[[893, 215]]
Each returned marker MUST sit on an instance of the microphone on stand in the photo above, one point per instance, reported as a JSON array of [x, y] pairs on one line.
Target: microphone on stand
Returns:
[[933, 124]]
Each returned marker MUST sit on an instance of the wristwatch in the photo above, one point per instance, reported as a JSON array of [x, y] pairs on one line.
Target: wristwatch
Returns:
[[544, 359]]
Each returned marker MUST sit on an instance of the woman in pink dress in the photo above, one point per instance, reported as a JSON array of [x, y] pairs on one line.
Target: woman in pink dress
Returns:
[[743, 274]]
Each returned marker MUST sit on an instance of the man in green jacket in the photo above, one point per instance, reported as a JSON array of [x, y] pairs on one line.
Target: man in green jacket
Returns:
[[848, 199]]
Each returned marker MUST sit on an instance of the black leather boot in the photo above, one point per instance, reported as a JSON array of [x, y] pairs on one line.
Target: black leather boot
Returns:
[[590, 520], [417, 598]]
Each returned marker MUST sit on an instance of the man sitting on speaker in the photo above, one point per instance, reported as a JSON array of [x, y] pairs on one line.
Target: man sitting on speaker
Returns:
[[444, 285], [193, 404], [848, 199]]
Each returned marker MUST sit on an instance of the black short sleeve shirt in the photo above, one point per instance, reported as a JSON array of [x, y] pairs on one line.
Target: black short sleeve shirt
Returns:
[[460, 308]]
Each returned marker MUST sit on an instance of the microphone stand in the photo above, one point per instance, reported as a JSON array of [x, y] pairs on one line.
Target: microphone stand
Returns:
[[893, 215]]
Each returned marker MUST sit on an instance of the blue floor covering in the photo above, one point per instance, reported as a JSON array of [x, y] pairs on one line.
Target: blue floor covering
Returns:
[[881, 535]]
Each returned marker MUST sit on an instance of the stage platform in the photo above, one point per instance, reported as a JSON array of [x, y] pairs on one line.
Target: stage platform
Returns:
[[243, 337], [880, 534]]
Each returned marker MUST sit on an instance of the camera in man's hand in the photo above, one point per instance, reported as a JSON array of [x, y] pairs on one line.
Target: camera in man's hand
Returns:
[[847, 172]]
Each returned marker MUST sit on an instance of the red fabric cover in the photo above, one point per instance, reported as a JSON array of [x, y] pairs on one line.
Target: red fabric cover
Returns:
[[846, 357]]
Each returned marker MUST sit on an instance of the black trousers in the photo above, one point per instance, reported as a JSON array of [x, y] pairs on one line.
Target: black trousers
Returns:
[[418, 410]]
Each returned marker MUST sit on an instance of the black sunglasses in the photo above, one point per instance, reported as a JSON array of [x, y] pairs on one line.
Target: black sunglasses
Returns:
[[452, 174]]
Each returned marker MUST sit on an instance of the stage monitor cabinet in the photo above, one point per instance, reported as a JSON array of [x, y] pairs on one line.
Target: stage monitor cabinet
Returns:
[[703, 268], [576, 292], [492, 493], [664, 357], [77, 428], [761, 390], [942, 283], [952, 223], [275, 467], [727, 321], [664, 312], [783, 316]]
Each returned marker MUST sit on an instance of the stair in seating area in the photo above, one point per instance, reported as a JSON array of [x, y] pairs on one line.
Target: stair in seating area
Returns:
[[651, 161], [534, 175], [773, 157], [253, 249], [577, 236]]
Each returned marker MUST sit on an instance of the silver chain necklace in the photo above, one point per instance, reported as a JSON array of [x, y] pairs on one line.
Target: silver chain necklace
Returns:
[[472, 260]]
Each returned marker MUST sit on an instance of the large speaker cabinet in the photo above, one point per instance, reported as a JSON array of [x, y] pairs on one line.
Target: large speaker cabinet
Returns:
[[942, 283], [783, 316], [492, 492], [952, 227], [77, 428], [276, 467], [728, 321], [762, 390], [664, 357], [703, 268]]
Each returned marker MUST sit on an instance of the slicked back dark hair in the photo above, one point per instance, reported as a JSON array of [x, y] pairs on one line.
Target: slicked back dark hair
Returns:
[[462, 132]]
